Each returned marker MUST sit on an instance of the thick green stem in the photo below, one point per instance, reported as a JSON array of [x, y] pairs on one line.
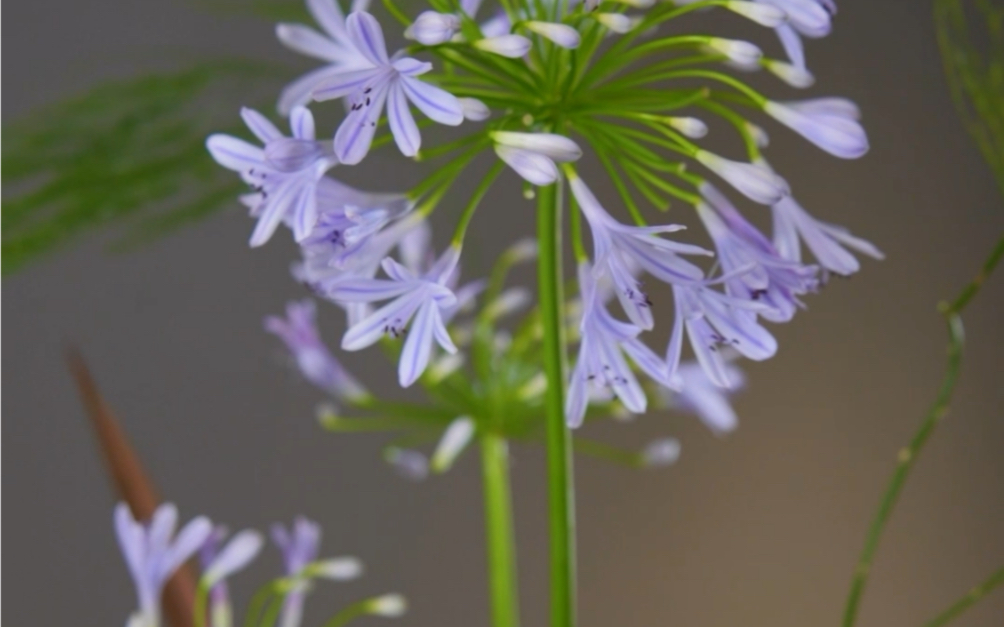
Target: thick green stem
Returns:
[[499, 530], [561, 494]]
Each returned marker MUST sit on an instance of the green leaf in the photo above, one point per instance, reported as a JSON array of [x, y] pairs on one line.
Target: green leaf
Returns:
[[129, 149]]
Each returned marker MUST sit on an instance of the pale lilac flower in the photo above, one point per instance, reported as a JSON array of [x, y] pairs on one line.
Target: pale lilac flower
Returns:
[[153, 553], [423, 297], [618, 248], [299, 331], [828, 242], [714, 321], [617, 22], [390, 82], [299, 547], [829, 127], [700, 396], [218, 562], [757, 183], [601, 365], [811, 18], [753, 269], [284, 174], [334, 47], [532, 155]]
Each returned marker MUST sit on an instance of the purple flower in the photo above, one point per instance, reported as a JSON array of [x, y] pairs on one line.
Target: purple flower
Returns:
[[390, 82], [284, 174], [152, 552], [811, 18], [424, 297], [619, 247], [299, 331], [219, 561], [333, 46], [828, 242], [601, 365], [753, 269], [714, 321], [830, 123], [699, 395]]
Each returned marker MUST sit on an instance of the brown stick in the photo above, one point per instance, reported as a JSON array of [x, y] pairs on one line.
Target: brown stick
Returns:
[[130, 481]]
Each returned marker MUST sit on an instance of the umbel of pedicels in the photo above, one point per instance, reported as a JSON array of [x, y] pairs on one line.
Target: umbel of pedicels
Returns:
[[155, 550], [539, 84]]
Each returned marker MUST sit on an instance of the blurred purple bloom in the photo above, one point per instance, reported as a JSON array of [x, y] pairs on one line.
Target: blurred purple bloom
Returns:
[[299, 331], [828, 242], [700, 396], [390, 82], [300, 547], [284, 174], [219, 561], [153, 552]]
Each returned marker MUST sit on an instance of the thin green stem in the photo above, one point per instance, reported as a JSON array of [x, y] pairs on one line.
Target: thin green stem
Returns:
[[966, 602], [472, 205], [908, 455], [501, 543], [561, 493]]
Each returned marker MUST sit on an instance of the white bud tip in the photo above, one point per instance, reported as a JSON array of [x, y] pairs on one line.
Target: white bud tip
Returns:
[[791, 74], [454, 441], [474, 110], [617, 22], [337, 569], [691, 127], [511, 46], [389, 605], [741, 52], [561, 34], [660, 453], [763, 14]]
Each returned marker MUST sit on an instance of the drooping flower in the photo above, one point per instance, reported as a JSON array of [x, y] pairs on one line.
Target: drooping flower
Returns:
[[533, 155], [431, 28], [713, 322], [832, 127], [811, 18], [601, 364], [393, 83], [699, 395], [316, 363], [334, 47], [828, 242], [619, 247], [423, 297], [752, 267], [218, 562], [153, 552], [285, 173]]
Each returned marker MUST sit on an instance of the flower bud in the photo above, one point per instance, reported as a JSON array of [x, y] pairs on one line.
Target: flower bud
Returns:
[[660, 453], [557, 147], [511, 46], [691, 127], [336, 569], [431, 28], [617, 22], [837, 134], [455, 439], [389, 605], [763, 14], [756, 183], [474, 110], [561, 34], [792, 74], [741, 52]]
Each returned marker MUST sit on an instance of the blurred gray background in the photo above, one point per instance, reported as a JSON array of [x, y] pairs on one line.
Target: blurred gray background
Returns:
[[762, 527]]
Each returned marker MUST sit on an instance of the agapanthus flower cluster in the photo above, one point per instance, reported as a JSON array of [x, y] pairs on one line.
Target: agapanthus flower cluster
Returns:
[[153, 552], [540, 85]]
